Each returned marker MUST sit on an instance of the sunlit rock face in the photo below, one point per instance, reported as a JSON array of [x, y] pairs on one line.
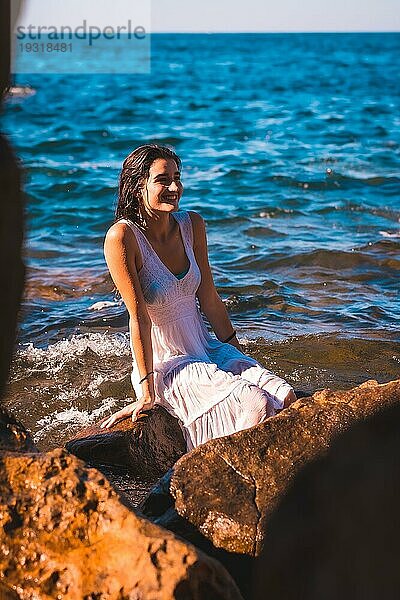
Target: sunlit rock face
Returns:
[[64, 532], [221, 495]]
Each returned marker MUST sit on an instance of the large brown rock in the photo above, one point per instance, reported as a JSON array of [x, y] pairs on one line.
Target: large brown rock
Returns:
[[148, 447], [65, 534], [335, 533], [225, 490]]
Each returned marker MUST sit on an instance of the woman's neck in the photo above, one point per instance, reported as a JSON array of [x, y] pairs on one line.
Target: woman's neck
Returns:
[[160, 227]]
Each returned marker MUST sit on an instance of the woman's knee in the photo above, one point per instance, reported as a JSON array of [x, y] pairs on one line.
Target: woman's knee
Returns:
[[255, 403]]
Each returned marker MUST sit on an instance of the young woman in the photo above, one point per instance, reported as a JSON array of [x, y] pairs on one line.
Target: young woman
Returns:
[[158, 260]]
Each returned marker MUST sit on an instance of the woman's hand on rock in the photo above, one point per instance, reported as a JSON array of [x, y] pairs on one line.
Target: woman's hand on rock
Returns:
[[132, 410]]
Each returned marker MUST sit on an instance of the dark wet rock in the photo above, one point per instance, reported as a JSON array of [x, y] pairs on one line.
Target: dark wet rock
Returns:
[[148, 447], [11, 218], [13, 435], [64, 533], [335, 533], [11, 267], [226, 490]]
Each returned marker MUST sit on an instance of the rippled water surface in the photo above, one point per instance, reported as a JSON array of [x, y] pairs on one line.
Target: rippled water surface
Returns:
[[290, 148]]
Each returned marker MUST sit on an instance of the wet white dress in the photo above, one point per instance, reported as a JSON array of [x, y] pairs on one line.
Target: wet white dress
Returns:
[[211, 387]]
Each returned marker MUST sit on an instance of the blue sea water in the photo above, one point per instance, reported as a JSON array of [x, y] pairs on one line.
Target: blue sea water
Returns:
[[290, 146]]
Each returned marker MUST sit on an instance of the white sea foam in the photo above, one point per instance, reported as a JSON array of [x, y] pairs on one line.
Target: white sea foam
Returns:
[[102, 305], [57, 355], [389, 234], [72, 417]]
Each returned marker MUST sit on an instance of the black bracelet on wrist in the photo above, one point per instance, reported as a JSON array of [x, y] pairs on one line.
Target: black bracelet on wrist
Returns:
[[146, 377], [228, 339]]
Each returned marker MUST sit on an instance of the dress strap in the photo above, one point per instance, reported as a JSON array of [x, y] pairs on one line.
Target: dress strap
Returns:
[[185, 223], [140, 238]]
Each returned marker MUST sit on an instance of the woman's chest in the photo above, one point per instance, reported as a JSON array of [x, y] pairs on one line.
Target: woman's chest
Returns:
[[173, 256], [159, 285]]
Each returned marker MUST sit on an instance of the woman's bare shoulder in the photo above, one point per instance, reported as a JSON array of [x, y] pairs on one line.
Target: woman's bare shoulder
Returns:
[[119, 232], [197, 221], [120, 240]]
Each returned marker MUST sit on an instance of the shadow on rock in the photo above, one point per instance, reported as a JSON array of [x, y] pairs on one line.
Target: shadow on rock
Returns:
[[335, 533]]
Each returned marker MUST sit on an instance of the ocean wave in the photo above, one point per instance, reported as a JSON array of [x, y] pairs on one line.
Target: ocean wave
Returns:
[[352, 206], [386, 246], [79, 380], [261, 232], [276, 212], [30, 359], [103, 305], [71, 383], [330, 260], [66, 145], [19, 91], [390, 234], [60, 284], [65, 423], [334, 180]]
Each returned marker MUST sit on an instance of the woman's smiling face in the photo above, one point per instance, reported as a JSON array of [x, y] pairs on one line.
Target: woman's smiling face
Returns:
[[163, 188]]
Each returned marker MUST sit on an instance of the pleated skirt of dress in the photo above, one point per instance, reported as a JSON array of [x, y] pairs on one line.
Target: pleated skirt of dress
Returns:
[[210, 402]]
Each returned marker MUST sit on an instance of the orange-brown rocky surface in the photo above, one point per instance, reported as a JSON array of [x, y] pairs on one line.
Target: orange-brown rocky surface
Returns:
[[65, 534], [224, 491]]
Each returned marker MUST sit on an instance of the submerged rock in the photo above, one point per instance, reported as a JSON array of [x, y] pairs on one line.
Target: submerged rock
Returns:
[[13, 435], [64, 533], [148, 447], [224, 491]]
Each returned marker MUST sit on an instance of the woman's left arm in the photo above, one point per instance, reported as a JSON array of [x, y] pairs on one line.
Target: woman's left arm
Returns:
[[210, 302]]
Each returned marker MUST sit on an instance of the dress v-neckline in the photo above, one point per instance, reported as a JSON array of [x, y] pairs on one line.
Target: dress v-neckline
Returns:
[[159, 259]]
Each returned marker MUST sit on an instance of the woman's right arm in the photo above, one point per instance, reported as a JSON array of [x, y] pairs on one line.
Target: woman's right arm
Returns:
[[121, 251]]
